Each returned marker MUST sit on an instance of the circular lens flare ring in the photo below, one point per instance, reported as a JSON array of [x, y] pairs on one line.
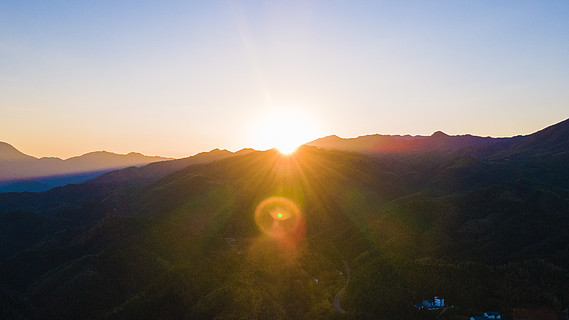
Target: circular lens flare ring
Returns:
[[277, 216]]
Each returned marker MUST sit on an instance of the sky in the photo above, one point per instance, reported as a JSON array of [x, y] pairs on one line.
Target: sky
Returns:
[[175, 78]]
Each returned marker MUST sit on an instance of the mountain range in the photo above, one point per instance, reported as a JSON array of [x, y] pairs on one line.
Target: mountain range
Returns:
[[550, 138], [481, 222], [20, 172]]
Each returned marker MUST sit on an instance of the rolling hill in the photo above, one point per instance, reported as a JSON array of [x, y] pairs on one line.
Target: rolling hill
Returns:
[[487, 230]]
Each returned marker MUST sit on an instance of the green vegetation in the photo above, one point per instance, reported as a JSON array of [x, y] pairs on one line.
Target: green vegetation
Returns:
[[484, 234]]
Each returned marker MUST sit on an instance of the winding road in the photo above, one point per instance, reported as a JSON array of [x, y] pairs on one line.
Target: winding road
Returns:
[[341, 292]]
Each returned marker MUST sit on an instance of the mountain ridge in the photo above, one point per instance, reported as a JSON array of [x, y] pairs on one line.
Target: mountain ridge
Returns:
[[20, 172], [10, 153], [551, 137], [407, 229], [154, 171], [485, 233]]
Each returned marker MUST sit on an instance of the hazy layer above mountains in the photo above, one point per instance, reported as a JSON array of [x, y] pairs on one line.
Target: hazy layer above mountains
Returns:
[[17, 165], [20, 172]]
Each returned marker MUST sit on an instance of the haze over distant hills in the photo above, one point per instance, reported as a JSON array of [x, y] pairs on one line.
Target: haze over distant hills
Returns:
[[483, 225], [17, 165], [21, 172]]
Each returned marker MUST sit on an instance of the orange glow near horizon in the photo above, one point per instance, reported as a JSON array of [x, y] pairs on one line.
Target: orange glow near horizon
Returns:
[[284, 129]]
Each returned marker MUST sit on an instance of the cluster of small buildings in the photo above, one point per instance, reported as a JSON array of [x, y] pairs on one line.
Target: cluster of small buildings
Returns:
[[488, 315], [437, 303]]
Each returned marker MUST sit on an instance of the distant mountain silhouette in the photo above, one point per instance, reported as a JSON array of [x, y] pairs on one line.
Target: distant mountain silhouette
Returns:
[[186, 245], [481, 222], [149, 173], [553, 138], [20, 172], [9, 153]]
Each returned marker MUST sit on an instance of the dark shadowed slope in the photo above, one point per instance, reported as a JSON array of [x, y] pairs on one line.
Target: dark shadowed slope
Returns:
[[551, 139], [74, 195], [188, 245], [485, 234]]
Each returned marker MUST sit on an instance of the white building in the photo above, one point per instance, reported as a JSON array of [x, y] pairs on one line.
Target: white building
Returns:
[[492, 315], [439, 302]]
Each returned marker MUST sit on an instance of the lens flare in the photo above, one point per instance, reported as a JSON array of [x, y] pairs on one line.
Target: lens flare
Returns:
[[281, 219], [280, 214]]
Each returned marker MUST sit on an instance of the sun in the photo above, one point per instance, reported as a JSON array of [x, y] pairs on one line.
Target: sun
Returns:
[[288, 148], [284, 129]]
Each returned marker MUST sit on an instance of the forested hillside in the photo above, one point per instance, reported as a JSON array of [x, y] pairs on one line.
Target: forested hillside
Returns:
[[263, 235]]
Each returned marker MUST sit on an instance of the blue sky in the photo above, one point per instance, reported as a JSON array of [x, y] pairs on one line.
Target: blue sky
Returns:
[[178, 77]]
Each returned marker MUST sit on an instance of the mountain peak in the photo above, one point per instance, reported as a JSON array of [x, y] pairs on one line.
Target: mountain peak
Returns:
[[439, 134], [8, 152]]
